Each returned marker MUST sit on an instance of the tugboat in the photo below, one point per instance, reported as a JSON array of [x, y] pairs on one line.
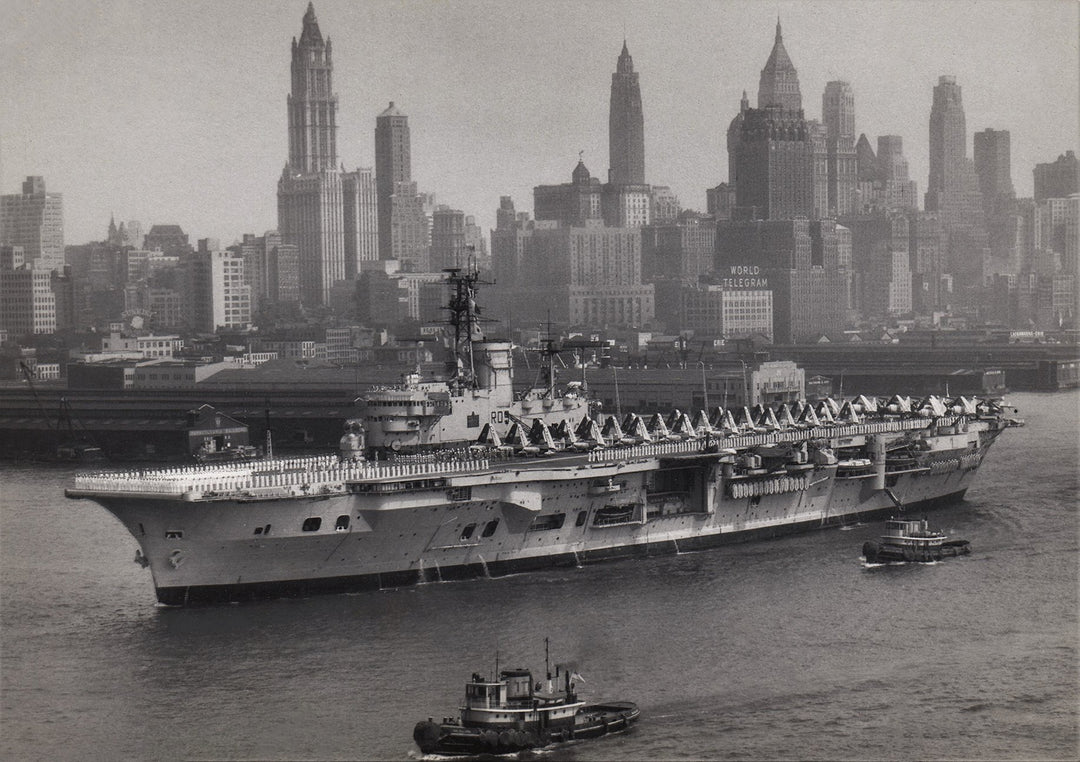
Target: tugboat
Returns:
[[511, 713], [912, 540]]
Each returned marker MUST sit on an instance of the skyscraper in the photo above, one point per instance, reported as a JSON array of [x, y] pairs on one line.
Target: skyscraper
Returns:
[[448, 238], [570, 203], [866, 161], [392, 167], [508, 251], [1058, 179], [27, 301], [217, 295], [778, 159], [953, 188], [899, 191], [34, 220], [626, 125], [838, 113], [591, 275], [361, 219], [734, 139], [779, 83], [883, 178], [310, 198], [993, 160], [171, 240], [404, 221], [312, 103], [994, 172], [948, 140]]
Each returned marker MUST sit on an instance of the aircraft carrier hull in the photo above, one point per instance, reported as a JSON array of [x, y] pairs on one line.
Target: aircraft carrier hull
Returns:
[[299, 587]]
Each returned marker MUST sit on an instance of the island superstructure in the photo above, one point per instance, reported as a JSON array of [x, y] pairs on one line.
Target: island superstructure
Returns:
[[439, 481]]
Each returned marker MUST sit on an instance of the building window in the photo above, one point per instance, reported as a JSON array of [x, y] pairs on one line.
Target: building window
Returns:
[[312, 524]]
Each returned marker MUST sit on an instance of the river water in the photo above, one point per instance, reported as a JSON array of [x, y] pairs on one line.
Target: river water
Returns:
[[783, 649]]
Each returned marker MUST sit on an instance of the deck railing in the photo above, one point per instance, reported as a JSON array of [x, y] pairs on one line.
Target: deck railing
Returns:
[[320, 475], [294, 476]]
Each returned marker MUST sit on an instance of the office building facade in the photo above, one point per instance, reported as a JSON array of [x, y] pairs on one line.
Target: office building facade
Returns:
[[799, 261], [218, 297], [838, 114], [953, 187], [403, 214], [1059, 178], [34, 221], [361, 219], [28, 303], [393, 165]]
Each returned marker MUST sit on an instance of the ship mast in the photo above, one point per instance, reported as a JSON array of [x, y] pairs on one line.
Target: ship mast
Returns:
[[547, 367], [464, 317]]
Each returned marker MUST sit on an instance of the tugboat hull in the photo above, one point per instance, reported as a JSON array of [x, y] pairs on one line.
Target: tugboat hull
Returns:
[[878, 553], [593, 721]]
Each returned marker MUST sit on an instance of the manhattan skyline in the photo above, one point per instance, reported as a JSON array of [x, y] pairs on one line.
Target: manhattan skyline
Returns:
[[170, 113]]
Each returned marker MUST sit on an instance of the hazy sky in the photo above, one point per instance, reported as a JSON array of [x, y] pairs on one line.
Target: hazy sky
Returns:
[[174, 112]]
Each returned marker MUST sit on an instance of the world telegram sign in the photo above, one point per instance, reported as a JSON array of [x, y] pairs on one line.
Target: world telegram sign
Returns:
[[743, 276]]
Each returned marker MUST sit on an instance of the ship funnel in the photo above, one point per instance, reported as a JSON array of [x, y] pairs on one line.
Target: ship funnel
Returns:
[[494, 369]]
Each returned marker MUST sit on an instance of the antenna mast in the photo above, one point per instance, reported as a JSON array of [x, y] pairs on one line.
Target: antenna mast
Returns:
[[549, 352], [269, 436], [464, 319]]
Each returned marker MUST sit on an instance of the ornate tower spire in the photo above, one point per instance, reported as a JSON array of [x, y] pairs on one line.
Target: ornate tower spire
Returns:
[[625, 64], [312, 103], [626, 124], [779, 84], [311, 31]]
